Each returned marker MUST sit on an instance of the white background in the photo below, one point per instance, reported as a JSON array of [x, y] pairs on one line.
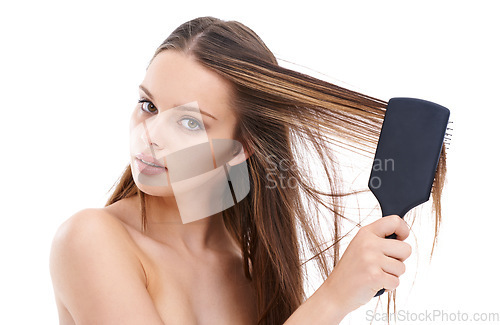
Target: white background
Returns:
[[69, 73]]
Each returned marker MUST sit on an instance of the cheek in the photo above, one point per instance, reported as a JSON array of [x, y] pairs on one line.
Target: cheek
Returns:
[[222, 129], [135, 121], [223, 150], [135, 137]]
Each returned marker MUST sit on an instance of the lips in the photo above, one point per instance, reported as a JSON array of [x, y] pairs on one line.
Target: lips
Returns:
[[148, 165], [148, 160]]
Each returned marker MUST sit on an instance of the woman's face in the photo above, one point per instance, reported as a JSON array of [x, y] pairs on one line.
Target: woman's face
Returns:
[[183, 108]]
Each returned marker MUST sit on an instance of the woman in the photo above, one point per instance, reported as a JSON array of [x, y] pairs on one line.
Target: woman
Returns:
[[162, 252]]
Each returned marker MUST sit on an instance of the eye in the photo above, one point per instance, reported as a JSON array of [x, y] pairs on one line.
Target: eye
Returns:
[[191, 124], [147, 106]]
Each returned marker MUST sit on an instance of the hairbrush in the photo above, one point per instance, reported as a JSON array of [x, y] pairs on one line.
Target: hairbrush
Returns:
[[407, 155]]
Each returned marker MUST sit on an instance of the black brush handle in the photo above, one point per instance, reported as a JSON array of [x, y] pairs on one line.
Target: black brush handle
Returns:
[[381, 291]]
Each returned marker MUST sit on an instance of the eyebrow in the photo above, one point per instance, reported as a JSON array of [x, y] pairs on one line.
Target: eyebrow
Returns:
[[178, 107]]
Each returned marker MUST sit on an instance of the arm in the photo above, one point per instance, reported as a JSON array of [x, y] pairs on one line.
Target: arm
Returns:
[[320, 308], [370, 262], [96, 274]]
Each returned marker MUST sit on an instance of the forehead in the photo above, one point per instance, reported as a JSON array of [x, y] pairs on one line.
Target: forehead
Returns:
[[174, 78]]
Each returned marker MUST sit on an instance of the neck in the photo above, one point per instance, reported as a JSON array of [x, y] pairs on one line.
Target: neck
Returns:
[[164, 224]]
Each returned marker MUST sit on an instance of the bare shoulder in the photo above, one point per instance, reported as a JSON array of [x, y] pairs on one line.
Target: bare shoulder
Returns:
[[81, 221], [96, 273], [91, 233], [90, 225]]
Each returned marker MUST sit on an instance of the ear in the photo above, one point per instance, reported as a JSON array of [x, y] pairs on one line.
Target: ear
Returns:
[[240, 156]]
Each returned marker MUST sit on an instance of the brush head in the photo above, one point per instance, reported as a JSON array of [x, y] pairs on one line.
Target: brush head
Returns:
[[407, 154]]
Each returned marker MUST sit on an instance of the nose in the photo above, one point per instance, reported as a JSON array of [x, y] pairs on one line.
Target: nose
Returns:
[[151, 135]]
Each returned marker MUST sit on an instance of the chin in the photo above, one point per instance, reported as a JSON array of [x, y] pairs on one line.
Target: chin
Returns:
[[155, 190], [154, 185]]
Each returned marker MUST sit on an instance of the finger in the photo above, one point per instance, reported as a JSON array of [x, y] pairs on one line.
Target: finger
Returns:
[[389, 282], [402, 231], [389, 225], [393, 266], [396, 249]]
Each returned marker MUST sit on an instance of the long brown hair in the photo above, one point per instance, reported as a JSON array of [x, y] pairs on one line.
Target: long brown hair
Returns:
[[285, 118]]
